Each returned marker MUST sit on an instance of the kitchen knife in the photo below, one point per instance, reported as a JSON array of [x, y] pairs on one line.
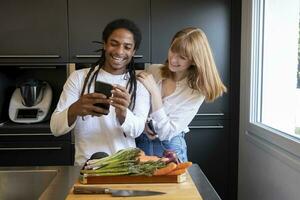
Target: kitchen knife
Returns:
[[79, 189]]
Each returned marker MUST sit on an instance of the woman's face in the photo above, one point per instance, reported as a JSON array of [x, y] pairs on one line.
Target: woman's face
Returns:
[[178, 63], [119, 50]]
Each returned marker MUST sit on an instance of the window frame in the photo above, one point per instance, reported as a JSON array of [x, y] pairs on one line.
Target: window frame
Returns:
[[279, 143]]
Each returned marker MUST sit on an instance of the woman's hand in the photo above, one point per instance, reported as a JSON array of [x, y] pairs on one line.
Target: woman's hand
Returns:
[[150, 84], [120, 99], [85, 105], [148, 81]]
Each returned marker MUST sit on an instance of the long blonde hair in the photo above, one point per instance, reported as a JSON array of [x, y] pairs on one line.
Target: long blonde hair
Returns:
[[203, 75]]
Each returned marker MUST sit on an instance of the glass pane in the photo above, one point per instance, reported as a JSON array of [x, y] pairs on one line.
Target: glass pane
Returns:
[[280, 96]]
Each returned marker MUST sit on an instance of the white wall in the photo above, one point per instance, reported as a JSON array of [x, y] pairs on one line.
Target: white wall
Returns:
[[264, 172], [267, 169]]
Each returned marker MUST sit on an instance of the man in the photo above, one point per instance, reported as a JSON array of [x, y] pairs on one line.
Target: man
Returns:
[[95, 128]]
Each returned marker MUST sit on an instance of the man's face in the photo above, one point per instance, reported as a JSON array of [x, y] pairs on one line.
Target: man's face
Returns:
[[119, 50]]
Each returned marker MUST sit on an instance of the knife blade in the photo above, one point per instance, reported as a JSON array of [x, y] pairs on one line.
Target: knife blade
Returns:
[[79, 189]]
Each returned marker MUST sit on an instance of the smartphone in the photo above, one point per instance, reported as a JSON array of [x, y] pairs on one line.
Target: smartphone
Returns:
[[151, 127], [103, 88]]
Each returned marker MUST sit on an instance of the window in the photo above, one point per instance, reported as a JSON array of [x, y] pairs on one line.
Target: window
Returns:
[[298, 74], [277, 93]]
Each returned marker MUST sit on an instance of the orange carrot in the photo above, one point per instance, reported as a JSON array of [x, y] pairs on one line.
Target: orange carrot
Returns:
[[183, 165], [177, 172], [165, 170]]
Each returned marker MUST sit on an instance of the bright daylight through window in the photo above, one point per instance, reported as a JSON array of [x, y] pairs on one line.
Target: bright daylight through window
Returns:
[[279, 84]]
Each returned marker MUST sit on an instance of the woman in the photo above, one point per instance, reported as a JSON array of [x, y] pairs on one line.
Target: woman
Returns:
[[177, 89]]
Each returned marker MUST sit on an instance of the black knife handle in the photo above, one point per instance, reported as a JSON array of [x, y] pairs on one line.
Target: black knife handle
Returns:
[[78, 189]]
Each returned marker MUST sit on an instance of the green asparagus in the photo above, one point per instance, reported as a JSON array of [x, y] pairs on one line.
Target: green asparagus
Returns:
[[124, 162]]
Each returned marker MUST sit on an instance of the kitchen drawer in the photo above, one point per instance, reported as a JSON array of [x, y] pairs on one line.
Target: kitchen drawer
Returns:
[[33, 136], [208, 146], [10, 131], [220, 107], [35, 153]]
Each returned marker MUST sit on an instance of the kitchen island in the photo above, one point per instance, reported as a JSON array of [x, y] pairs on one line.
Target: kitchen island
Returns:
[[55, 182]]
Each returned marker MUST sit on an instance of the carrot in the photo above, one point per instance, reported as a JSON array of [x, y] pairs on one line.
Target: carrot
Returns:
[[165, 170], [177, 172], [183, 165]]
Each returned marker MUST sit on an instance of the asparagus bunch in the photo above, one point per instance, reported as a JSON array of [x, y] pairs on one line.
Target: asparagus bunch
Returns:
[[124, 162]]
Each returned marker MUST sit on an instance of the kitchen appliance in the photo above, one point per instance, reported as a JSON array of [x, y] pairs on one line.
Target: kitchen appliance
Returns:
[[78, 189], [30, 102]]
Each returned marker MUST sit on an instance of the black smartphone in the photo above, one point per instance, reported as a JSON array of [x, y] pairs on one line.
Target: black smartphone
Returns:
[[103, 88], [151, 127]]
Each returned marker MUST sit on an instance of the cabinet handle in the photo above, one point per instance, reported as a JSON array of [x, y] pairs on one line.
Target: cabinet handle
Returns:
[[24, 134], [28, 148], [138, 56], [29, 56], [210, 114], [207, 127], [87, 56], [38, 67], [98, 56]]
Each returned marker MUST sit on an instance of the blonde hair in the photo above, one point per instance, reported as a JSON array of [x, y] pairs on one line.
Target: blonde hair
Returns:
[[203, 74]]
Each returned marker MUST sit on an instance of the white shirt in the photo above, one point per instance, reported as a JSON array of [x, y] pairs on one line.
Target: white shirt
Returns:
[[178, 109], [103, 133]]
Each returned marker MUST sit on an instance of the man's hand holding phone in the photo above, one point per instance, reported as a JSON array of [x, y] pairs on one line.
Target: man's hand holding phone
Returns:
[[105, 89], [86, 106], [95, 104], [98, 103], [120, 100]]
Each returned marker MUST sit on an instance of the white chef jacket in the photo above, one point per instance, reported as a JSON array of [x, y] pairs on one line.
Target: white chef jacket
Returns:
[[103, 133], [178, 109]]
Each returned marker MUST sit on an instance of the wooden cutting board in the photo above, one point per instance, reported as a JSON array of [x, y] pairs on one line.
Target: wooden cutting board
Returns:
[[174, 191], [94, 179]]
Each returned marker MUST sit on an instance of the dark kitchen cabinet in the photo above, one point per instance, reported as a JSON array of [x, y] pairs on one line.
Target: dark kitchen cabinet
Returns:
[[208, 145], [33, 31], [33, 144], [213, 17], [88, 19], [35, 154]]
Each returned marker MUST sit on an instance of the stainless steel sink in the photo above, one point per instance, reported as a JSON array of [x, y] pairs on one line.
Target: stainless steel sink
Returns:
[[24, 184], [37, 182]]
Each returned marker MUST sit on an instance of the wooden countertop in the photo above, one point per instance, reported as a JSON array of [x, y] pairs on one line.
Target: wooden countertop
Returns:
[[66, 176]]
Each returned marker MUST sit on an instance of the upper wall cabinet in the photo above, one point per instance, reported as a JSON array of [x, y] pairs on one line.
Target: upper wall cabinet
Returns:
[[213, 17], [88, 19], [33, 31]]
